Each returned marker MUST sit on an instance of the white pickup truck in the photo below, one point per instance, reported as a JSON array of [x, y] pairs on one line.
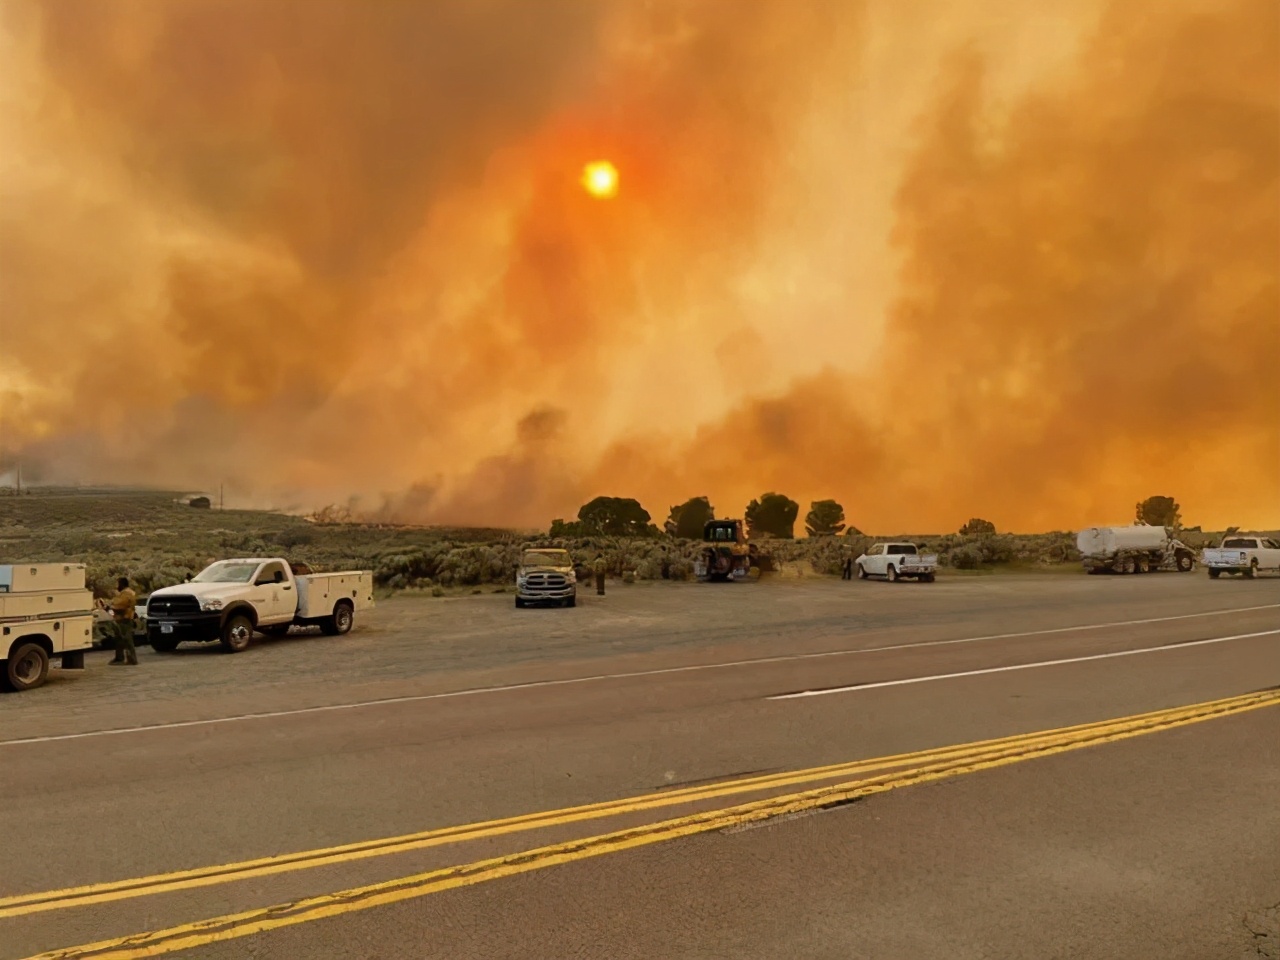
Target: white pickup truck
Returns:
[[45, 613], [1246, 555], [229, 600], [896, 560], [546, 576]]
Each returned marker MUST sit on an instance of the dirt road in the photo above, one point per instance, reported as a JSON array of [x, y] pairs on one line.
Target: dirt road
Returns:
[[676, 707]]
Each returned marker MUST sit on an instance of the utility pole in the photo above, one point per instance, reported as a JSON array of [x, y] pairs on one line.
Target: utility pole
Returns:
[[220, 486], [19, 478]]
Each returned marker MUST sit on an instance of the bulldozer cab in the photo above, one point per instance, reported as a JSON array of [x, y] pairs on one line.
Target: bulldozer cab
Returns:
[[723, 532]]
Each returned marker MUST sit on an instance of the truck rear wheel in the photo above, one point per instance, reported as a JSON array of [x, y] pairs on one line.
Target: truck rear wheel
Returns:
[[892, 574], [1214, 574], [340, 623], [1142, 565], [26, 668], [237, 632]]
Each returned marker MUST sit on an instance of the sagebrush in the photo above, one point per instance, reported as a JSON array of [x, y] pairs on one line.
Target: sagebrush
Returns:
[[157, 540]]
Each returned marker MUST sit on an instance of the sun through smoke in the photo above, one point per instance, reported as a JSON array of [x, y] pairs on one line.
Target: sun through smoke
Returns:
[[600, 178]]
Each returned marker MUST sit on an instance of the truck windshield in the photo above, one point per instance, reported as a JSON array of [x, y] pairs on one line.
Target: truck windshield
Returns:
[[548, 558], [228, 571], [1240, 543]]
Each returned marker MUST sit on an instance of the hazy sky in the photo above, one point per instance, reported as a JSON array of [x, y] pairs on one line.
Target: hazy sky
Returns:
[[934, 259]]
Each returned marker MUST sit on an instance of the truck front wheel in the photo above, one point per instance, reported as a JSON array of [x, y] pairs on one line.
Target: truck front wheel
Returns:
[[340, 623], [164, 644], [1185, 562], [26, 668], [1214, 574], [1253, 569], [236, 633]]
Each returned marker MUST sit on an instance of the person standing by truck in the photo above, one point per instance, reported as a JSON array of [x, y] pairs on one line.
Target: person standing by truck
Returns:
[[123, 608], [599, 568]]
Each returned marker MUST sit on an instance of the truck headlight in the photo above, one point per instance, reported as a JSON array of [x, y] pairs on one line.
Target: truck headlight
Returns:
[[571, 577], [213, 603]]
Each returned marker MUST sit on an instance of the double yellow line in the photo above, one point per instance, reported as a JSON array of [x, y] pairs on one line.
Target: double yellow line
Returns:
[[929, 766]]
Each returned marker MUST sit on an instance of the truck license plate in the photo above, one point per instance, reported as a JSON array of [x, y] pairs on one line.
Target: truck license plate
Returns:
[[166, 628]]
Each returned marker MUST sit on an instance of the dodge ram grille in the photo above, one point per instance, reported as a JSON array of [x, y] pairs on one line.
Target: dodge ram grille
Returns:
[[176, 606]]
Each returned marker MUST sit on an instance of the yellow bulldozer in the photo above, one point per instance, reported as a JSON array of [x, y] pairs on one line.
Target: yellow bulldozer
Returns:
[[726, 553]]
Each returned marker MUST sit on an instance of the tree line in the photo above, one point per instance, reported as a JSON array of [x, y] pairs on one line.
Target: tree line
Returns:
[[770, 515]]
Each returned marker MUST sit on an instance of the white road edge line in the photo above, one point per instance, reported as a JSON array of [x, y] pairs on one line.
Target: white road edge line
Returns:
[[1019, 666], [595, 678]]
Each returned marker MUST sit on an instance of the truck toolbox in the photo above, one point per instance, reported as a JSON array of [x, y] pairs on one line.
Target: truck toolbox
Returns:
[[19, 606], [61, 631], [318, 592], [77, 632], [41, 577]]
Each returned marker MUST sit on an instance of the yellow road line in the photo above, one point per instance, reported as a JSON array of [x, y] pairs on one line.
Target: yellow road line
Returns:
[[40, 902], [250, 922]]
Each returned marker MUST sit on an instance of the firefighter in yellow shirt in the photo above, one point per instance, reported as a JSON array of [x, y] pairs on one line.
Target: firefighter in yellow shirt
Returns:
[[123, 609], [599, 568]]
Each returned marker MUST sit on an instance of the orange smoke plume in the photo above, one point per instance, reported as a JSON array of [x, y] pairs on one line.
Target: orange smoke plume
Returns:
[[1017, 262]]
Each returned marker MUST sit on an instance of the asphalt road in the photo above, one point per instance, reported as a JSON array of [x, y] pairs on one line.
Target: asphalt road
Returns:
[[1152, 838]]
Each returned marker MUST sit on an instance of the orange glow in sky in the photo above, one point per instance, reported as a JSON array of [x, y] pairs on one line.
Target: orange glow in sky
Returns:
[[600, 178]]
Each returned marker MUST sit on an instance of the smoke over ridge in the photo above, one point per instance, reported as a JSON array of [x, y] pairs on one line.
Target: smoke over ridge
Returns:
[[1021, 261]]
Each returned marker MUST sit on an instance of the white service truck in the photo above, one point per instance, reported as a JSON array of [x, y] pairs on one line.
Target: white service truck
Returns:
[[894, 561], [1139, 548], [230, 600], [45, 613], [1247, 555]]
